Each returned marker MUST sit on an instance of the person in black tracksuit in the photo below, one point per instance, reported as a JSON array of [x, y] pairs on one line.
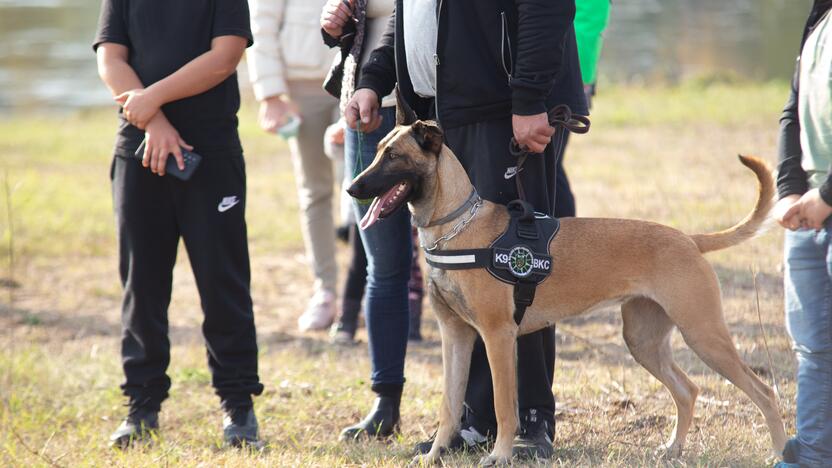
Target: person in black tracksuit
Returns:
[[496, 61], [143, 48]]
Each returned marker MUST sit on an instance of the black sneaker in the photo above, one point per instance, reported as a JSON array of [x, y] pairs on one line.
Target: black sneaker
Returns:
[[468, 439], [534, 439], [382, 421], [140, 425], [239, 427]]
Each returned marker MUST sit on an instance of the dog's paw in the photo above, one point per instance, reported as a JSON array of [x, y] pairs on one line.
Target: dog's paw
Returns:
[[669, 450], [494, 460], [423, 460]]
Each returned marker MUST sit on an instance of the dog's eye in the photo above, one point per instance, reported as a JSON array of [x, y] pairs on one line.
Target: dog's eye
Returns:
[[392, 155]]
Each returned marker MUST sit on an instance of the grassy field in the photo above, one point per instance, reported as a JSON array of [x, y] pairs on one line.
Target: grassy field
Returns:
[[667, 155]]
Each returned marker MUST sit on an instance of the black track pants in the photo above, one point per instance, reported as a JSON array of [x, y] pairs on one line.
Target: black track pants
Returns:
[[208, 212], [482, 149]]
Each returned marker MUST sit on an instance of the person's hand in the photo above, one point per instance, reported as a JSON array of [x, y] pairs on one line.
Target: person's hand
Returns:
[[532, 132], [140, 105], [810, 209], [783, 207], [275, 112], [162, 140], [364, 107], [335, 16]]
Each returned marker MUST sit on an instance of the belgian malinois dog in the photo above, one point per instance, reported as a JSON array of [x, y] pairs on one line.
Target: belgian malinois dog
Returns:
[[658, 275]]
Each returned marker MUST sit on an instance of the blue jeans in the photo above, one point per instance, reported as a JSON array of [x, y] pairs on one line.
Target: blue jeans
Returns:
[[808, 284], [389, 250]]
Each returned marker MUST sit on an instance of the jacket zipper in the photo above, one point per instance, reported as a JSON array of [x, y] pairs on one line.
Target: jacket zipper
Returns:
[[436, 62], [503, 38]]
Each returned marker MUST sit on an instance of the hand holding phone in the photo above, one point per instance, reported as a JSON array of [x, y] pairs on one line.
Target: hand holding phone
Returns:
[[290, 128], [190, 159]]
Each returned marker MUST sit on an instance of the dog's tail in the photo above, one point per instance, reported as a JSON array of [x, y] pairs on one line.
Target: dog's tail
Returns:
[[751, 224]]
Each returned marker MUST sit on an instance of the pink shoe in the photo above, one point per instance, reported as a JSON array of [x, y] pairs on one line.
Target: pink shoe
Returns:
[[320, 313]]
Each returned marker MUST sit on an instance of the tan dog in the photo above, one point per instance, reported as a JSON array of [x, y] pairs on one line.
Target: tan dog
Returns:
[[656, 273]]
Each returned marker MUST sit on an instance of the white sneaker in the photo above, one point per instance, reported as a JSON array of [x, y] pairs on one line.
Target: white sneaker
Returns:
[[320, 313]]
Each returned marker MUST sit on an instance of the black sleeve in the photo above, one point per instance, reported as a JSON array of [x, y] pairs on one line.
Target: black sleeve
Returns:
[[791, 178], [112, 24], [231, 18], [379, 73], [346, 40], [825, 190], [329, 41], [542, 29]]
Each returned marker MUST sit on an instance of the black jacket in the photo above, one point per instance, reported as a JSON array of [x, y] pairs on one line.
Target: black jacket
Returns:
[[791, 178], [494, 58]]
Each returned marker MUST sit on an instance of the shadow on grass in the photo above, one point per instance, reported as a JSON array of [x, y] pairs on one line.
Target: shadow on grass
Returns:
[[57, 324], [577, 341]]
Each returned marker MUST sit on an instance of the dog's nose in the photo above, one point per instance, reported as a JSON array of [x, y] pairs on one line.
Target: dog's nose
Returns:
[[355, 189]]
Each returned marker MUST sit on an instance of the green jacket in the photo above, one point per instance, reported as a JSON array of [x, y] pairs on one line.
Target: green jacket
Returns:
[[591, 18]]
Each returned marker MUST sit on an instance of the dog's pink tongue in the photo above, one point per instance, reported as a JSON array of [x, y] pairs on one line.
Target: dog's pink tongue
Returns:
[[371, 216], [378, 205]]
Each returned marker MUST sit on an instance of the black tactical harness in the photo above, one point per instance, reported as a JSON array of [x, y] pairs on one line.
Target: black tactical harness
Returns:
[[519, 256]]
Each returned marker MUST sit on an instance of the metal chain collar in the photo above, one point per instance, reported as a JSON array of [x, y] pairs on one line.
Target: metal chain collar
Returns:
[[457, 228]]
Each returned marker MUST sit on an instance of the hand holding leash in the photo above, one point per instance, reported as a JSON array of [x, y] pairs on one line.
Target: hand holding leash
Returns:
[[559, 116], [363, 106], [532, 132], [335, 15]]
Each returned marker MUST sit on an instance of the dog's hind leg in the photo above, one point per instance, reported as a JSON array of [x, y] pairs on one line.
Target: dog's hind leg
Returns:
[[500, 347], [457, 344], [708, 336], [695, 306], [647, 330]]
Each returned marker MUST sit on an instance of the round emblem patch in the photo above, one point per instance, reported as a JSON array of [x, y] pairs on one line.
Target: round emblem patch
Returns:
[[520, 261]]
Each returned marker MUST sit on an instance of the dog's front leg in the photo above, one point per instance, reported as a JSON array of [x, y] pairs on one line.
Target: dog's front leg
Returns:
[[457, 344], [500, 346]]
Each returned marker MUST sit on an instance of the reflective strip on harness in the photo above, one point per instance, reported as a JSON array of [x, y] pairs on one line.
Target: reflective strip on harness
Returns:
[[459, 259], [450, 259]]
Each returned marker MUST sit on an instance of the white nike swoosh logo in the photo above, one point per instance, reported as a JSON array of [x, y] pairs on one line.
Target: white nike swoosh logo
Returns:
[[223, 206], [510, 172]]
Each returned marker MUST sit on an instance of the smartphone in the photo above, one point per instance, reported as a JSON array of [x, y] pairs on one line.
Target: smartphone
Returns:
[[190, 158], [290, 128]]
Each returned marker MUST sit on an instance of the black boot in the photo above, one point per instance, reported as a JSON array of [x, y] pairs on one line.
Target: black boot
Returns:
[[534, 439], [239, 427], [141, 423], [343, 331], [383, 419]]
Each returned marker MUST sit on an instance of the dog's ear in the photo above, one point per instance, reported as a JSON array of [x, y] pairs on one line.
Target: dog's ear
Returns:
[[404, 114], [429, 136]]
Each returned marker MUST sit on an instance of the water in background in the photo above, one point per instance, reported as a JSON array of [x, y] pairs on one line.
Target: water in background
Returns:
[[672, 40], [46, 59]]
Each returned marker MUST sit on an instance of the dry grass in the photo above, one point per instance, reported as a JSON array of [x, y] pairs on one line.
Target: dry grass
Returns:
[[666, 155]]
